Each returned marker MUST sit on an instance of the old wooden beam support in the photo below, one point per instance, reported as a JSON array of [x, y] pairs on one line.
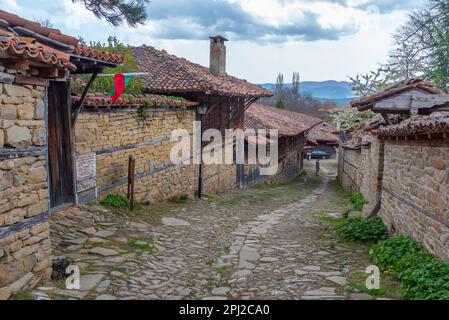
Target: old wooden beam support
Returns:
[[131, 181], [33, 81], [79, 105], [6, 78]]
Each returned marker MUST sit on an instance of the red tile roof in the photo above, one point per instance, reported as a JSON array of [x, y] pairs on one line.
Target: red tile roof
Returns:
[[170, 74], [132, 101], [435, 123], [289, 123], [30, 49], [61, 41], [413, 84]]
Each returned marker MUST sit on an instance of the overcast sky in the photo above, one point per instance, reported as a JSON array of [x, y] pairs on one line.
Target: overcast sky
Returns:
[[321, 39]]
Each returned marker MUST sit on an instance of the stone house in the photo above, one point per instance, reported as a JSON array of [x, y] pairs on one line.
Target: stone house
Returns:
[[36, 158], [226, 97], [401, 165], [293, 134]]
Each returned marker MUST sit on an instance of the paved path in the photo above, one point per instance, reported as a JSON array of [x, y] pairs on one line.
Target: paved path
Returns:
[[264, 243]]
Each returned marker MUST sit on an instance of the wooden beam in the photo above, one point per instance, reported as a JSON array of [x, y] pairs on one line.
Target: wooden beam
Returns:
[[386, 118], [79, 105], [6, 78], [27, 80]]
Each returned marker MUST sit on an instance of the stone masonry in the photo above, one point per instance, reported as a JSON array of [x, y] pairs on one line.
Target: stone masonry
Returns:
[[415, 197], [24, 233], [114, 136]]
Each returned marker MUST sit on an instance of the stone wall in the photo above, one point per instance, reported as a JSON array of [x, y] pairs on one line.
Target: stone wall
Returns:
[[24, 232], [352, 165], [361, 171], [415, 196], [106, 139]]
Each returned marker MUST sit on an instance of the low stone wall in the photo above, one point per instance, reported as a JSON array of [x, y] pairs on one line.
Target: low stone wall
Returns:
[[361, 171], [105, 140], [415, 196], [24, 232], [352, 165]]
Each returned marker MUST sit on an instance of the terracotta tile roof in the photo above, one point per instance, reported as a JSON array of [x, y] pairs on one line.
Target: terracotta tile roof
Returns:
[[170, 74], [132, 101], [30, 49], [260, 116], [437, 122], [61, 41], [321, 134], [413, 84], [98, 54]]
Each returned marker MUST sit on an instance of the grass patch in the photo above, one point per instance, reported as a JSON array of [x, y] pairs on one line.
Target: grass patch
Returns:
[[116, 201], [143, 245], [23, 296], [422, 276], [358, 202], [370, 230]]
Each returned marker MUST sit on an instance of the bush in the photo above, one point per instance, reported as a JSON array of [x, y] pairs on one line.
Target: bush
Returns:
[[116, 201], [358, 201], [421, 275], [363, 230]]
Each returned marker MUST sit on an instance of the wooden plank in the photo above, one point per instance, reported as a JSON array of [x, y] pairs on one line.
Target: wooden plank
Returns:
[[396, 104], [23, 225], [22, 153], [430, 101], [60, 144], [6, 78], [27, 80]]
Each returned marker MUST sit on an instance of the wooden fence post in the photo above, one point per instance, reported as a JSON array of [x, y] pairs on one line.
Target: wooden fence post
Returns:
[[131, 180]]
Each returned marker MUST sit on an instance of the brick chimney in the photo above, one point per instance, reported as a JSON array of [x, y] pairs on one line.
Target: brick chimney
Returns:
[[218, 55]]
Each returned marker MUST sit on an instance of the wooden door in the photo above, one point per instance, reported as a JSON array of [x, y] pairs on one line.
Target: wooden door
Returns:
[[60, 145]]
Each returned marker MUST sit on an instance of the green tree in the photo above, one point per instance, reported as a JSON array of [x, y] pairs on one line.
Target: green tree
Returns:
[[105, 84], [117, 11], [280, 104]]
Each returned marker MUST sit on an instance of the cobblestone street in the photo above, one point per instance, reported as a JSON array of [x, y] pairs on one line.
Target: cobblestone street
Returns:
[[264, 243]]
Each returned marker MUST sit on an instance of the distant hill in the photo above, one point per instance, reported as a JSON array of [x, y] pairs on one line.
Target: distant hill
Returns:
[[326, 91]]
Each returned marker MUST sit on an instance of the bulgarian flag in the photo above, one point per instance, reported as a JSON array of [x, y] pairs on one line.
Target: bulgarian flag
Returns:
[[120, 83]]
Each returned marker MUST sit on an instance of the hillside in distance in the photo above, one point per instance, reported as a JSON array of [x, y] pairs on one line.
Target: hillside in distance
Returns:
[[326, 91]]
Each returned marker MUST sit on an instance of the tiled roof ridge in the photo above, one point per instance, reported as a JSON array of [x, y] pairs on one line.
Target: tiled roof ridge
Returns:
[[33, 51], [43, 34], [437, 122], [99, 99]]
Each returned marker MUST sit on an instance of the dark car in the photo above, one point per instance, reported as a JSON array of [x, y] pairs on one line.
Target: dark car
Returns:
[[318, 154]]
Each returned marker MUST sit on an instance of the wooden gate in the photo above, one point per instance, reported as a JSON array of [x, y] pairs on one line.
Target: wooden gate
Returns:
[[60, 145]]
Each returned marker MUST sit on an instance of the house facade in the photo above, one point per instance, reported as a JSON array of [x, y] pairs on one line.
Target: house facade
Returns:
[[36, 142], [400, 163], [291, 145], [226, 97]]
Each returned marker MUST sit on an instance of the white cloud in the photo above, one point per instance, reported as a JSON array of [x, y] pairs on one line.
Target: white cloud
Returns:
[[10, 5]]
